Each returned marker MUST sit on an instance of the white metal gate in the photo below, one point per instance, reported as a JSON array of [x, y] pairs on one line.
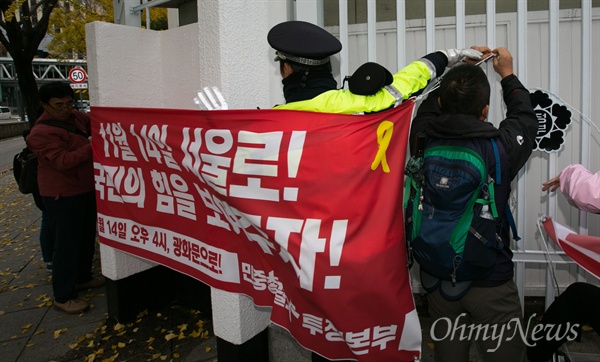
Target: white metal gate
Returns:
[[553, 52]]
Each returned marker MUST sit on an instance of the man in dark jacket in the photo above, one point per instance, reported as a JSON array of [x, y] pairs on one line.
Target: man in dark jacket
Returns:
[[457, 113], [66, 182]]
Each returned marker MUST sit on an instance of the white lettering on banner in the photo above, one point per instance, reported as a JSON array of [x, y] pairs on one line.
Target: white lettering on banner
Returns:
[[120, 184], [114, 134], [310, 245], [153, 144], [231, 219], [360, 342], [234, 219], [214, 262], [173, 191], [256, 154]]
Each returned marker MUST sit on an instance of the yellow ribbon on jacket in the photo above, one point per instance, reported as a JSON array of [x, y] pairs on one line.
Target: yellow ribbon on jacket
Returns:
[[384, 136]]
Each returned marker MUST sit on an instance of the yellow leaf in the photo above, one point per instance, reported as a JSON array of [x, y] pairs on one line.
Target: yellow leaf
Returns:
[[120, 344], [163, 358], [181, 336], [118, 327], [58, 332], [72, 346], [208, 349], [135, 330], [182, 327], [150, 340], [91, 344], [195, 334], [430, 345], [29, 344], [170, 336]]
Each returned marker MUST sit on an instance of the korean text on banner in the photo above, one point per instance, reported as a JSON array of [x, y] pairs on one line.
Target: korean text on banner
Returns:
[[300, 211]]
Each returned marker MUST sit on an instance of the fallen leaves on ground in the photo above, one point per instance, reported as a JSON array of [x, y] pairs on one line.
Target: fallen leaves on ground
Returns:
[[180, 330]]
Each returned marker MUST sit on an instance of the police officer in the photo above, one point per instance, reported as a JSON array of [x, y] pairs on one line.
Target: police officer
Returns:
[[304, 50]]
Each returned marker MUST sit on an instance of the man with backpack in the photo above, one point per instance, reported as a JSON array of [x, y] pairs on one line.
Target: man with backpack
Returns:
[[60, 140], [457, 226]]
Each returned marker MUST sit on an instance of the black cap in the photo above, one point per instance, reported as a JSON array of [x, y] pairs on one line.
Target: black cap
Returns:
[[369, 78], [303, 43]]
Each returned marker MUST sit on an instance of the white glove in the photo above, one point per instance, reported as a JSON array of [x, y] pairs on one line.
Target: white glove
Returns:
[[456, 55], [211, 99]]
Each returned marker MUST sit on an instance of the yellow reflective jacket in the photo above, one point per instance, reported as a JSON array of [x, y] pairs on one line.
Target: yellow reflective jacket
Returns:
[[407, 81]]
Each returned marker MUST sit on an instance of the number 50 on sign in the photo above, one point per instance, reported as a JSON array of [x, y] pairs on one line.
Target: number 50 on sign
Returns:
[[77, 75]]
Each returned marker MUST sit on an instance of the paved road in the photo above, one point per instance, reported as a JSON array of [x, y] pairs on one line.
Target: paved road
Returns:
[[8, 148]]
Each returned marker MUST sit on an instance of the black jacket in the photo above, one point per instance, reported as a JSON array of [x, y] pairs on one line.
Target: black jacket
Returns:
[[516, 140]]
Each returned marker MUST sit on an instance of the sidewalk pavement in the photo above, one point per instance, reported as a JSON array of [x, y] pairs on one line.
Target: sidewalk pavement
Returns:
[[31, 330]]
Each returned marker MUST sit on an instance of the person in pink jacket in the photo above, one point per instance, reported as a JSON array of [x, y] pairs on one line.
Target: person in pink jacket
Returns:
[[580, 187], [577, 305]]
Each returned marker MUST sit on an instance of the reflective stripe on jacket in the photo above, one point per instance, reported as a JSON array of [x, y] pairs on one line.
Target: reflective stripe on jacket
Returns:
[[407, 81]]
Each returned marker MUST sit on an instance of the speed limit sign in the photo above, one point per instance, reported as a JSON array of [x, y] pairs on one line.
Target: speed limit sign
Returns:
[[77, 75]]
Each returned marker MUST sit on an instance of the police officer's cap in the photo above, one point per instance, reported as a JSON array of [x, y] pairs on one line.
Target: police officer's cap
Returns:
[[303, 43], [369, 78]]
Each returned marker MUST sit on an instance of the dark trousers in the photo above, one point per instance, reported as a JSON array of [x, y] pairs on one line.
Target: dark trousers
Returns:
[[578, 304], [46, 239], [453, 322], [72, 220]]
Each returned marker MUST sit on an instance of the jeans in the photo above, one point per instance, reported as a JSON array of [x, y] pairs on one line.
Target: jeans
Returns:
[[72, 220]]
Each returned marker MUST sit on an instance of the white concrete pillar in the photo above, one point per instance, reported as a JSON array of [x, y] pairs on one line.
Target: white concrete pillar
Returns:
[[241, 64]]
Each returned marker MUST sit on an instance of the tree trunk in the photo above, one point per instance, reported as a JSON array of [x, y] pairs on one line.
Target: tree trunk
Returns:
[[28, 87]]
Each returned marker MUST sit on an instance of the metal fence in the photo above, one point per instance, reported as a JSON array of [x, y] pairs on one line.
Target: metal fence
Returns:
[[553, 51]]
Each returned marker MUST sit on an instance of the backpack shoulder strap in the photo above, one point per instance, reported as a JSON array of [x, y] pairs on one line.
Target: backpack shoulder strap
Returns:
[[509, 215], [68, 127]]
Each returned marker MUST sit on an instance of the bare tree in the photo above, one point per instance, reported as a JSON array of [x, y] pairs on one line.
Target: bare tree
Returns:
[[24, 24]]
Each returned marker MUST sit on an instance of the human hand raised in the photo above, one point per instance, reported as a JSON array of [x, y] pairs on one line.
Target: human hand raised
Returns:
[[553, 184], [485, 51], [503, 62], [211, 99], [456, 55]]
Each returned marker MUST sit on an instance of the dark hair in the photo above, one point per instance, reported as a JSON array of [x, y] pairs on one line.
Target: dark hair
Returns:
[[464, 89], [55, 90]]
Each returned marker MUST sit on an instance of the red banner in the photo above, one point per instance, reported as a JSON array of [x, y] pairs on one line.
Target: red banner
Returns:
[[583, 249], [300, 211]]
